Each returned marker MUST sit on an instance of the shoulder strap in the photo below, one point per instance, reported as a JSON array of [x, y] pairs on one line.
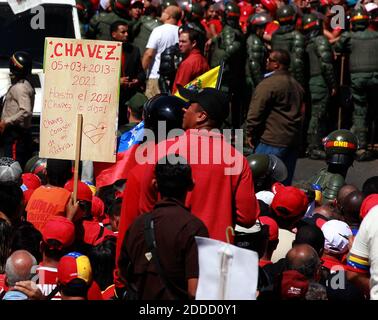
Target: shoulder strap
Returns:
[[149, 236]]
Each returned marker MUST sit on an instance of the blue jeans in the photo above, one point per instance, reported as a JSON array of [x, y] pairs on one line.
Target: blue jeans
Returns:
[[287, 155]]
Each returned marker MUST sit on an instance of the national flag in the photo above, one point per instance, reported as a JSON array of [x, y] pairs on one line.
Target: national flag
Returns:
[[210, 79], [108, 173]]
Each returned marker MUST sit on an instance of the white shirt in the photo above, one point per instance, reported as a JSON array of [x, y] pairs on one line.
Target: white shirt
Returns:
[[160, 39], [365, 245]]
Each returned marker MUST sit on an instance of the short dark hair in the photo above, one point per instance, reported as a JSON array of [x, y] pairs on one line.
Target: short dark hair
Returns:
[[75, 288], [282, 57], [174, 176], [5, 243], [51, 249], [58, 171], [11, 197], [370, 186], [27, 237], [114, 26], [311, 235], [115, 208], [193, 34], [102, 258]]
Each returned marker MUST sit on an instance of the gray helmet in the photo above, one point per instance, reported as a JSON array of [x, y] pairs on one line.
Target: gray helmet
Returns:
[[266, 169]]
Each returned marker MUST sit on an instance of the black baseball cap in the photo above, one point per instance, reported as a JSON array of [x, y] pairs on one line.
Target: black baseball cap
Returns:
[[213, 101]]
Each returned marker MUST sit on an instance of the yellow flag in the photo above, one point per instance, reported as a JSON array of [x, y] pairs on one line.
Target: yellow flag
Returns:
[[210, 79]]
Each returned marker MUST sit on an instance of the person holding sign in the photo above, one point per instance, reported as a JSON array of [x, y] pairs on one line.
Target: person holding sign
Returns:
[[17, 110]]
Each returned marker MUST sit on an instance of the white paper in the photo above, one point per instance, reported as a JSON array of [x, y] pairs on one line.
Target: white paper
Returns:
[[19, 6], [226, 272]]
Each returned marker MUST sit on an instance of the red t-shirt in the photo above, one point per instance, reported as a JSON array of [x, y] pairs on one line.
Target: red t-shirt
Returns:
[[46, 202], [223, 193], [217, 24], [190, 68], [330, 262]]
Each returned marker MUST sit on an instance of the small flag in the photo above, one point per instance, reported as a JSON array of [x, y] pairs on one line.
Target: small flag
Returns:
[[131, 137], [210, 79]]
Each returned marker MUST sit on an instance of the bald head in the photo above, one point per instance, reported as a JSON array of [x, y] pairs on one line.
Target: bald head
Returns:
[[304, 259], [343, 192], [328, 211], [19, 267], [171, 14], [351, 206]]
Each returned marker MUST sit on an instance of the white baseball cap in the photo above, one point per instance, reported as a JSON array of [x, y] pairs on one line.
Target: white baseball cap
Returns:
[[336, 236]]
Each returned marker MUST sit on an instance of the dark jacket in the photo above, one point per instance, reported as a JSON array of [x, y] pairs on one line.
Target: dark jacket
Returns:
[[275, 110]]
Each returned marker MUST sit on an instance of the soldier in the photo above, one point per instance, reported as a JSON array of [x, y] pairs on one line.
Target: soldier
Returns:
[[322, 82], [229, 47], [17, 109], [340, 148], [194, 14], [362, 45], [291, 40], [256, 50], [169, 61], [99, 25], [85, 13], [257, 54], [143, 28]]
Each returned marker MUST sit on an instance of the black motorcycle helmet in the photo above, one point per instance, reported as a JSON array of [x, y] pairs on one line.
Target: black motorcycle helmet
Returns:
[[164, 107], [286, 15], [20, 64], [340, 147]]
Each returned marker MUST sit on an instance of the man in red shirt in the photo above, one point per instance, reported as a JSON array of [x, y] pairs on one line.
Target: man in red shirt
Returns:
[[194, 63], [223, 193]]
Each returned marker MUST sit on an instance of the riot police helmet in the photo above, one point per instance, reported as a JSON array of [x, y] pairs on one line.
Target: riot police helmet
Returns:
[[340, 147], [359, 19], [20, 64], [286, 15], [311, 22], [266, 169]]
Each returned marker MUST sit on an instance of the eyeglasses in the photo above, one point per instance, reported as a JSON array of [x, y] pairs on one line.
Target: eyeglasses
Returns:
[[271, 59]]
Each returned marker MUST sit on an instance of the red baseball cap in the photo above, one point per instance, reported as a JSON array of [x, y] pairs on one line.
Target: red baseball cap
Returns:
[[288, 202], [74, 266], [84, 193], [294, 285], [59, 228], [273, 227], [30, 182], [369, 202], [98, 209]]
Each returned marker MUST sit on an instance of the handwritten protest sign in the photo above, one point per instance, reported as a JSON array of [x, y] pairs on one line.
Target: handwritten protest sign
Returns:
[[81, 77]]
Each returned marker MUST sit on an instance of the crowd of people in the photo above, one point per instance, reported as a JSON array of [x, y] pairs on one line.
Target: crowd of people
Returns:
[[133, 238]]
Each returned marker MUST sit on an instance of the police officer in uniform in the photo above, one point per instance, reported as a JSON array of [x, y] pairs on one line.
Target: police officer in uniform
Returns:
[[362, 45], [17, 110], [340, 148], [142, 30], [99, 25], [322, 82], [291, 40], [229, 47]]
